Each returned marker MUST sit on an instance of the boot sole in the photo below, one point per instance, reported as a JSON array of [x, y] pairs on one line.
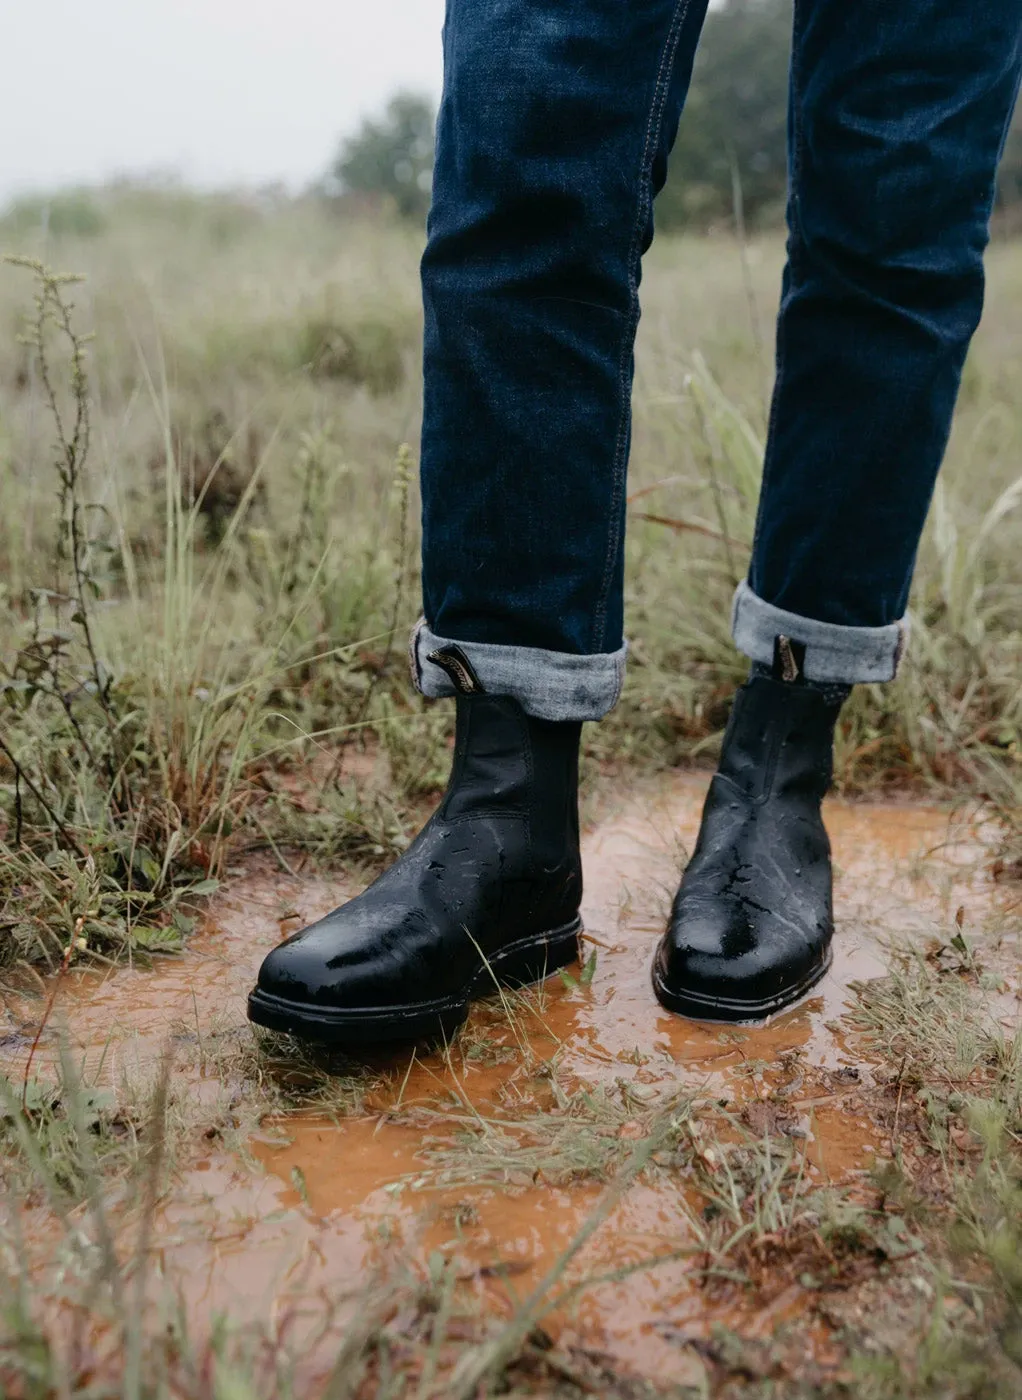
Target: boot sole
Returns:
[[698, 1006], [530, 960]]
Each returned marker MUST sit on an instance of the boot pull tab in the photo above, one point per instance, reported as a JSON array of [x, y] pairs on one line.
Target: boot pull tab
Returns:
[[789, 659], [459, 669]]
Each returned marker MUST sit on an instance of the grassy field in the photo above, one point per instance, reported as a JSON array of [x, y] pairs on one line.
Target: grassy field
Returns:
[[207, 572], [207, 589]]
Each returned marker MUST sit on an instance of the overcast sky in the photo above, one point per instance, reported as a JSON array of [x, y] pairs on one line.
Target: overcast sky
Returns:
[[220, 91]]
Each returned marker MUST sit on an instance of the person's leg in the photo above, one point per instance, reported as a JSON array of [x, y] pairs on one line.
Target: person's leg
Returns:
[[898, 115], [553, 135]]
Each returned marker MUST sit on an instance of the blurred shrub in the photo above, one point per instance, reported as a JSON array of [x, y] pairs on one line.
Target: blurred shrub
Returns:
[[367, 351], [221, 218], [392, 157], [75, 213]]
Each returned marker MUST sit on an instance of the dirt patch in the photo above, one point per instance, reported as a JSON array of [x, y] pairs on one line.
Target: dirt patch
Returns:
[[488, 1160]]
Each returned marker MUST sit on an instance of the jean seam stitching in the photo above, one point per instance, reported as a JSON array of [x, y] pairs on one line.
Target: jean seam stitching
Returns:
[[992, 192], [793, 181], [659, 102]]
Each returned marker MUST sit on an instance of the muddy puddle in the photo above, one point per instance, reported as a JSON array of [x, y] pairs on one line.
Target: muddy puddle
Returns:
[[437, 1162]]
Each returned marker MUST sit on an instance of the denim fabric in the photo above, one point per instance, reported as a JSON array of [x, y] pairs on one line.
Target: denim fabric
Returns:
[[841, 655], [552, 137], [898, 114], [547, 684], [555, 125]]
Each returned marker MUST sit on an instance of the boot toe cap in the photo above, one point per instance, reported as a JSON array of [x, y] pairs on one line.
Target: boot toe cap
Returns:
[[347, 960], [293, 972], [735, 964]]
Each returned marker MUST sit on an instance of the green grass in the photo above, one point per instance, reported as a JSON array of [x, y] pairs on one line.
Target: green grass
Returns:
[[208, 564]]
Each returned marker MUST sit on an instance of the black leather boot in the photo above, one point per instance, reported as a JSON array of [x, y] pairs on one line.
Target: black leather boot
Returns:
[[751, 927], [487, 894]]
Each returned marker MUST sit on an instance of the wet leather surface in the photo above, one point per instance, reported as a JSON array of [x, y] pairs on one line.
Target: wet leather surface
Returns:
[[753, 917], [498, 861]]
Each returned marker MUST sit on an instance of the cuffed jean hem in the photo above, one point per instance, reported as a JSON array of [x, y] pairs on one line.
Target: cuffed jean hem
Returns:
[[547, 684], [845, 655]]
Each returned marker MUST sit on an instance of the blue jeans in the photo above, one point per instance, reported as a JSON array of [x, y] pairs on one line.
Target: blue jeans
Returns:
[[554, 131]]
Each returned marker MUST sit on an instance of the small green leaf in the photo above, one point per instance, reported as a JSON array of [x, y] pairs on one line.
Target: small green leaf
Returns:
[[204, 887], [588, 970], [298, 1182], [147, 865], [156, 940]]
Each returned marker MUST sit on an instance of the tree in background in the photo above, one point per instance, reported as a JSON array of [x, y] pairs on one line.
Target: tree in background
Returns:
[[391, 158], [733, 128]]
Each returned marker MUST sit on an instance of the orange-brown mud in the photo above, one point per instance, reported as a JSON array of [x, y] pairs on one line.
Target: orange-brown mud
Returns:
[[328, 1197]]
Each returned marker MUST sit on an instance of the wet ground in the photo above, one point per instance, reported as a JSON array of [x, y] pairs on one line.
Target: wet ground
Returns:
[[321, 1199]]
